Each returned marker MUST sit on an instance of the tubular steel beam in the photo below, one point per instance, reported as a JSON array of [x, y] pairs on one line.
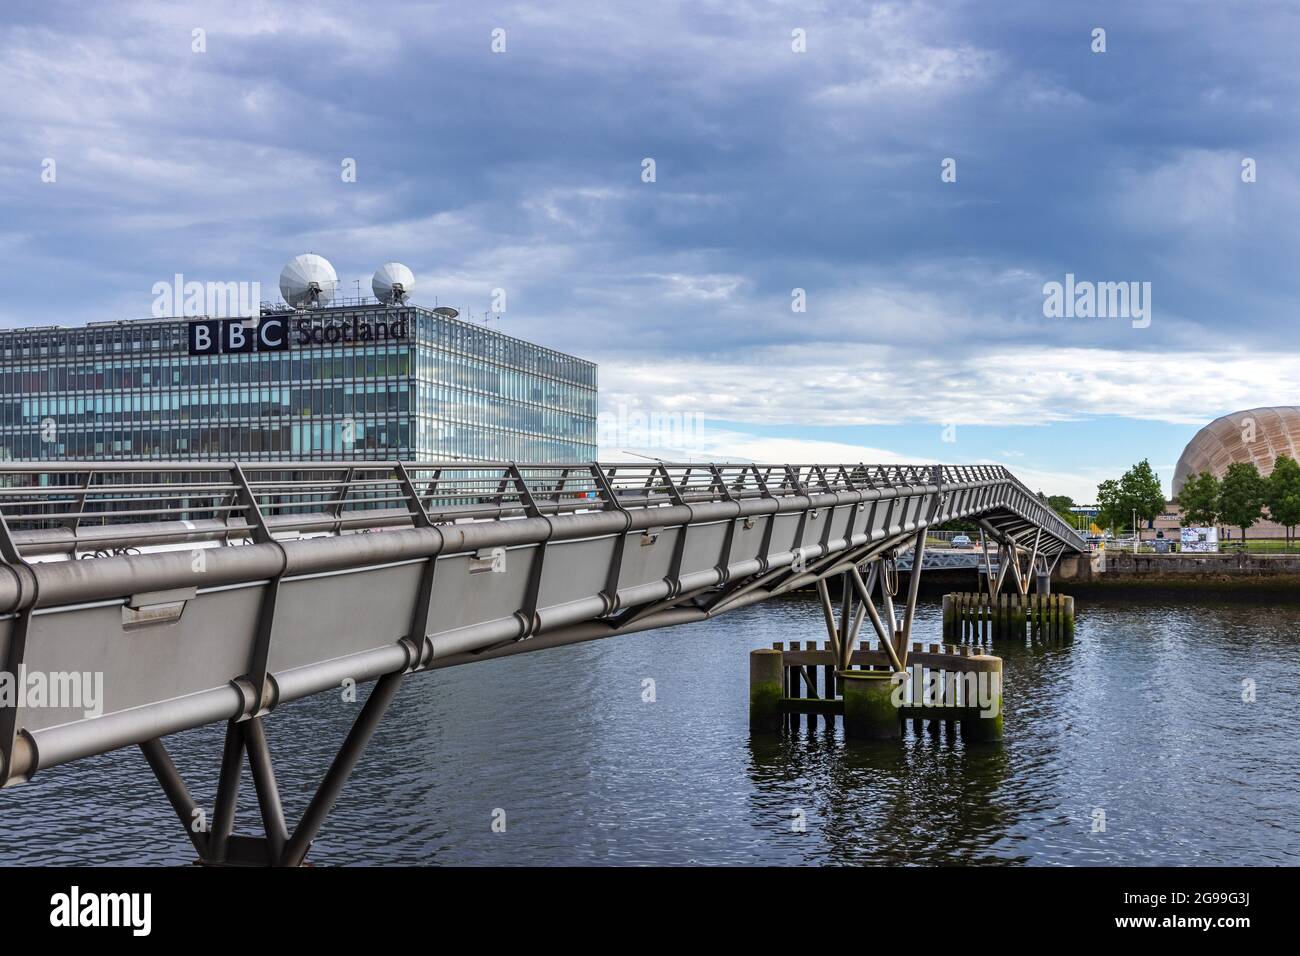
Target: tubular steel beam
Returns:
[[381, 695], [187, 811], [1005, 556], [848, 647], [1033, 555], [886, 641], [268, 793], [223, 814], [888, 588], [1022, 585], [913, 588], [828, 612], [846, 616], [846, 604], [988, 566]]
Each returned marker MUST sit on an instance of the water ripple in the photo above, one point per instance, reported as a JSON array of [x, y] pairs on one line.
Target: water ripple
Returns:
[[1141, 719]]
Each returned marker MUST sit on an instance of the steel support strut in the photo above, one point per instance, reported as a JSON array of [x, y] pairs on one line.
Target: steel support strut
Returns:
[[280, 849], [381, 695], [829, 614], [886, 641], [913, 588], [918, 562], [990, 584], [223, 814], [268, 793], [187, 811]]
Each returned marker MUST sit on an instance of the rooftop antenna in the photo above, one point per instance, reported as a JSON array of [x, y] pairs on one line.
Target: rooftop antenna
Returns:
[[393, 283], [308, 281]]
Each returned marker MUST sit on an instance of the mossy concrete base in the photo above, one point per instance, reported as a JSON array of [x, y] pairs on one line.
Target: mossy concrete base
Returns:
[[980, 728], [766, 688], [869, 711]]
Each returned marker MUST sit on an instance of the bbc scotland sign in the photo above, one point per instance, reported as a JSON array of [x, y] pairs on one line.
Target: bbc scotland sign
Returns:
[[214, 336], [273, 333]]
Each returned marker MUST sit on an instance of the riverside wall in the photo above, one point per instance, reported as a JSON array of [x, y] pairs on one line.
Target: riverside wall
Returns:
[[1120, 572]]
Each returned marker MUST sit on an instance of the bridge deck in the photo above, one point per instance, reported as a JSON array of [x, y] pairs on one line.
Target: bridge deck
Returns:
[[240, 586]]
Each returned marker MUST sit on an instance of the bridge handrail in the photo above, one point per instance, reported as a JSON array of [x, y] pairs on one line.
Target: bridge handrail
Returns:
[[52, 507]]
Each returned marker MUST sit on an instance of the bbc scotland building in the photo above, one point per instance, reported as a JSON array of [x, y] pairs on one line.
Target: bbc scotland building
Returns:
[[365, 380]]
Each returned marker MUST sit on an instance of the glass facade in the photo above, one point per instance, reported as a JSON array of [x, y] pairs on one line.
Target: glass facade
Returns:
[[447, 389]]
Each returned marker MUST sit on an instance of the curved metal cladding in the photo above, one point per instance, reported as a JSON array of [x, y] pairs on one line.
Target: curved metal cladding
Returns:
[[244, 586], [1256, 435]]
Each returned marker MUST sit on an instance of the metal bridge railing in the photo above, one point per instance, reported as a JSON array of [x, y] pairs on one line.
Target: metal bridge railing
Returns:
[[263, 498]]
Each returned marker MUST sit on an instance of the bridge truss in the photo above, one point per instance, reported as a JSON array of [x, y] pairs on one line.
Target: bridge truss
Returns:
[[214, 591]]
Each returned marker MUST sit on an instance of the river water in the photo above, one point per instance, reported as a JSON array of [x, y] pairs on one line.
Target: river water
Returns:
[[1140, 721]]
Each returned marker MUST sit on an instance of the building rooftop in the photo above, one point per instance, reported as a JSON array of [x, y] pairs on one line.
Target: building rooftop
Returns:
[[33, 334]]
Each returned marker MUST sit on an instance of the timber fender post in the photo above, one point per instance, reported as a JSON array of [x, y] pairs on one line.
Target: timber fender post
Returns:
[[869, 711], [766, 688], [974, 617], [950, 686]]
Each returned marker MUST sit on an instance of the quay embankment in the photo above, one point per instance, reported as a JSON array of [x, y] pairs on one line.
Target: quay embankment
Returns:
[[1221, 576]]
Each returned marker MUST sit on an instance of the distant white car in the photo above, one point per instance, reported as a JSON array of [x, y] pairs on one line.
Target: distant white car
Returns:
[[961, 541]]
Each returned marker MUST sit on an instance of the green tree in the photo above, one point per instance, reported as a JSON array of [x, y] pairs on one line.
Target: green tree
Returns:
[[1111, 512], [1199, 500], [1241, 496], [1141, 491], [1137, 492], [963, 527], [1061, 504], [1282, 495]]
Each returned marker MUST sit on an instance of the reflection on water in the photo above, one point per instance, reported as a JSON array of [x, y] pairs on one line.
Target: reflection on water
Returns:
[[1141, 717]]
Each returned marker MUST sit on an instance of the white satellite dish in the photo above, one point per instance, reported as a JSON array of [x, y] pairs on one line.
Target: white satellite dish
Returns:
[[393, 283], [308, 281]]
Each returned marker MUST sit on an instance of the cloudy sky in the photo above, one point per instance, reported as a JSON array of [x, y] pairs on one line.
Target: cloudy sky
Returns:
[[794, 147]]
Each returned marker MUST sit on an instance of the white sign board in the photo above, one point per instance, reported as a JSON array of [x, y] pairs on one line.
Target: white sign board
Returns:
[[1203, 540]]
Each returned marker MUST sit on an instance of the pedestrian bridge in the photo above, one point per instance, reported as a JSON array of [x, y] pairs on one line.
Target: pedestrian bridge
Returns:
[[215, 591], [948, 559]]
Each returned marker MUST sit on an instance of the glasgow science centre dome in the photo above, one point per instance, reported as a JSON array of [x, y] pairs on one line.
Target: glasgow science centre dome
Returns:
[[1256, 434]]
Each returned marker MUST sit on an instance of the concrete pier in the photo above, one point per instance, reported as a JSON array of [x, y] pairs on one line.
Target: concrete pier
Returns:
[[766, 689], [943, 687], [978, 724], [869, 710]]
